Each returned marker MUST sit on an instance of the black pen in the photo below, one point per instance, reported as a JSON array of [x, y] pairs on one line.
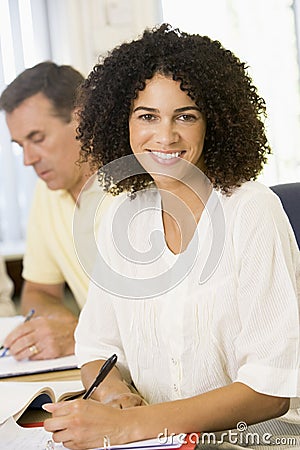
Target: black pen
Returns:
[[28, 317], [103, 372]]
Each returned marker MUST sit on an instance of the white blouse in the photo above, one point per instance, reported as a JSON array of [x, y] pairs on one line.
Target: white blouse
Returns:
[[225, 310]]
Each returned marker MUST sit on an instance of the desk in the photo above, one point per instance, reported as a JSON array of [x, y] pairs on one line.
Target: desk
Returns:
[[61, 375]]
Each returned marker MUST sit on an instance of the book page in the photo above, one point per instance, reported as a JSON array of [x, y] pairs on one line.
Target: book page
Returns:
[[9, 366], [7, 324], [16, 396], [14, 437]]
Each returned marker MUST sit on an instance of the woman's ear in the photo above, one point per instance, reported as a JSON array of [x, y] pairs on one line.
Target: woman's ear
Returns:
[[75, 114]]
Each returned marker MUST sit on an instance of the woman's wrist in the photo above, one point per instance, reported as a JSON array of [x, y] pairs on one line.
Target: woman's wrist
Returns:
[[132, 425], [144, 422], [110, 390]]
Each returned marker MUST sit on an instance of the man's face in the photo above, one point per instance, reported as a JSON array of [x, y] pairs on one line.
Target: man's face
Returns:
[[48, 143]]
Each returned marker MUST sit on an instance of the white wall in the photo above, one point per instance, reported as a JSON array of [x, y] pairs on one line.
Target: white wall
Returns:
[[81, 30]]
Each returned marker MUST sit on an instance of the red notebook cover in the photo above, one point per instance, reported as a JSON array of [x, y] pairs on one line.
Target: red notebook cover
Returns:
[[191, 439]]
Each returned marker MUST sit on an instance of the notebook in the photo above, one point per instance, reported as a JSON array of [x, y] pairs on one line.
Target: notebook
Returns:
[[10, 367]]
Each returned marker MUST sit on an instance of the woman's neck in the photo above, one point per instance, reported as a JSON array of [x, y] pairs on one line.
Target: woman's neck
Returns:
[[182, 207]]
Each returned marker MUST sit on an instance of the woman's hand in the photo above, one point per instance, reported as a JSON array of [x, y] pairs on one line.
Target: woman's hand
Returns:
[[83, 424], [113, 391]]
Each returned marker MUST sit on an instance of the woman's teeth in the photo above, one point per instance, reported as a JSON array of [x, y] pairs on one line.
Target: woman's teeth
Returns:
[[162, 155]]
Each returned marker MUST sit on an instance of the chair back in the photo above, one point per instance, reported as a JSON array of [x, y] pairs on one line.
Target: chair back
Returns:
[[289, 195]]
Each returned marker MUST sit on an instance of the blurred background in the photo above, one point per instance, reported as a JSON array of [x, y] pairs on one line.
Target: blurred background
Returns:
[[263, 33]]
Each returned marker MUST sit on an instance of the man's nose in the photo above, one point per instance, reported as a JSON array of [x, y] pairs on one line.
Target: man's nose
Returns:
[[30, 155]]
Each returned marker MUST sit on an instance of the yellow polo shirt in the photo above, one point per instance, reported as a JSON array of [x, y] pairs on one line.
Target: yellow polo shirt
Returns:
[[51, 254]]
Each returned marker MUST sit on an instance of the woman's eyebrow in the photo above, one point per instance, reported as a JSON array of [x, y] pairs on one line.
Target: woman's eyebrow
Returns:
[[187, 108], [177, 110], [145, 108]]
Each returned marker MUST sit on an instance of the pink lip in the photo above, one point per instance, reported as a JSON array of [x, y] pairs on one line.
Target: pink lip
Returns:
[[44, 175]]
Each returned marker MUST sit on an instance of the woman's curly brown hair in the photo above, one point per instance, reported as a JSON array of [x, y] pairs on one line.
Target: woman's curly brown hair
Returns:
[[235, 146]]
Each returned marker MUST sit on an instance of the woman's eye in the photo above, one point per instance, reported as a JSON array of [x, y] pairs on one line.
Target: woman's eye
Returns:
[[187, 118], [147, 117]]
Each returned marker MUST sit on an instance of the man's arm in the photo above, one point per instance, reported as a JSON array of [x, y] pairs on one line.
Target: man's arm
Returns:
[[45, 299], [50, 333]]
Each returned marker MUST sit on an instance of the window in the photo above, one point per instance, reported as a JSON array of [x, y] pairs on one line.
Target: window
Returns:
[[21, 45]]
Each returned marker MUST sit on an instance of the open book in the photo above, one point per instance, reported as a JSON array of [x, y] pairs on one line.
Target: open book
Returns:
[[17, 396]]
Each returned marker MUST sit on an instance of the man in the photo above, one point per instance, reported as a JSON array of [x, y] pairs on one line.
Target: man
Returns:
[[39, 106]]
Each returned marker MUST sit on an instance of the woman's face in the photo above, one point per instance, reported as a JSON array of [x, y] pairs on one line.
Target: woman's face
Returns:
[[166, 125]]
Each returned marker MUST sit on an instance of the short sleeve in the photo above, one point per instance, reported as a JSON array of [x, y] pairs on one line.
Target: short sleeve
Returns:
[[267, 349], [39, 265]]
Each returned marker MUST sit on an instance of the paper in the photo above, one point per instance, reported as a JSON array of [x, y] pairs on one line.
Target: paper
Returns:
[[152, 444], [10, 367], [7, 324], [16, 396], [14, 437]]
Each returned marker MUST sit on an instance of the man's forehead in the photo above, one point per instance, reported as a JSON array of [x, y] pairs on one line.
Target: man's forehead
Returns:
[[24, 123]]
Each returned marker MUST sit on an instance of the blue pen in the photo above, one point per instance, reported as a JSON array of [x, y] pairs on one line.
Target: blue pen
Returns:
[[28, 317]]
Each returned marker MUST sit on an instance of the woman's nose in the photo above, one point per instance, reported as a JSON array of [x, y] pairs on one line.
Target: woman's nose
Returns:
[[166, 133]]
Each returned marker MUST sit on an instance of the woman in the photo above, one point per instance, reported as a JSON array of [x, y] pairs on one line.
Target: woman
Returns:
[[198, 262]]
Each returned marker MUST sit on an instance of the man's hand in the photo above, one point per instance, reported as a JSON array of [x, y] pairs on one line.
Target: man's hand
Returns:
[[42, 338]]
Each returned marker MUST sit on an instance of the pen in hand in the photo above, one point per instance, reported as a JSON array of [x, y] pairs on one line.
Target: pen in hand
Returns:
[[103, 372], [27, 317]]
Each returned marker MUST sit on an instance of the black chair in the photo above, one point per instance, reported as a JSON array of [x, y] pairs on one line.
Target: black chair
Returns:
[[289, 195]]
